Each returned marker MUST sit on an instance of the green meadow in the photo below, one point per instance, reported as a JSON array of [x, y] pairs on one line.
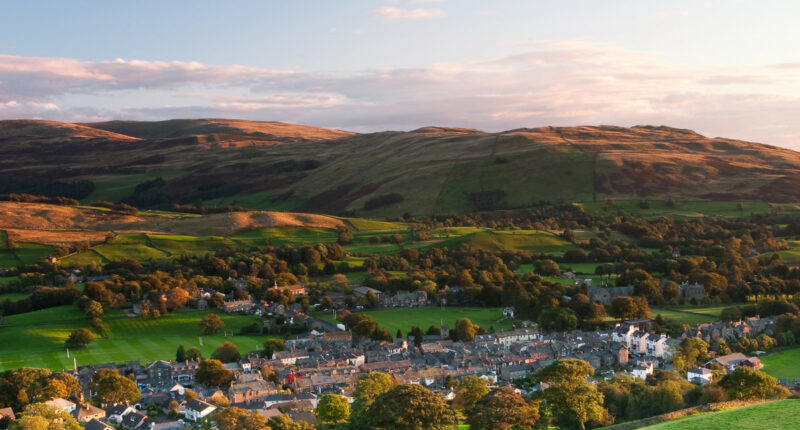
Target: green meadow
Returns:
[[38, 337], [404, 318], [783, 414], [783, 364]]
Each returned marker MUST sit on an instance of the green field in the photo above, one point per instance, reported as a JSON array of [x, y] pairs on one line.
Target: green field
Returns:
[[783, 414], [404, 318], [38, 337], [689, 314], [783, 364], [510, 240]]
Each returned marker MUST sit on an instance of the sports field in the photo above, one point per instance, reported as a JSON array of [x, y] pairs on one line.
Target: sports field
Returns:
[[689, 314], [783, 364], [404, 318], [36, 339], [783, 414]]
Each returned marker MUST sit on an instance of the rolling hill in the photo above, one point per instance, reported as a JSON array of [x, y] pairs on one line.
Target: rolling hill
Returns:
[[431, 170]]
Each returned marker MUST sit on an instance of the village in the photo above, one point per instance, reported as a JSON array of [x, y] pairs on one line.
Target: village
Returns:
[[329, 359]]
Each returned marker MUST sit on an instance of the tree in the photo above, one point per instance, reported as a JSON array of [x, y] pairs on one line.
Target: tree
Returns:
[[547, 268], [688, 353], [79, 338], [345, 236], [211, 323], [228, 352], [569, 396], [283, 422], [410, 407], [368, 388], [623, 307], [502, 409], [333, 409], [39, 416], [213, 372], [273, 345], [219, 400], [745, 383], [177, 298], [558, 319], [189, 394], [111, 387], [180, 354], [193, 354], [240, 419], [93, 309], [469, 391], [730, 314], [465, 330]]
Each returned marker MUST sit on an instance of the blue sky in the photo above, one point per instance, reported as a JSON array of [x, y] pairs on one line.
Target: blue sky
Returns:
[[724, 68]]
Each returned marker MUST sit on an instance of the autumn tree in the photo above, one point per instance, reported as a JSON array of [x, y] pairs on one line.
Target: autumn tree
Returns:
[[211, 323], [240, 419], [227, 352], [569, 396], [469, 391], [111, 387], [40, 416], [333, 409], [368, 388], [410, 407], [79, 338], [213, 372], [745, 383], [219, 400], [177, 298], [273, 345], [194, 354], [93, 309], [180, 354], [465, 330], [502, 409]]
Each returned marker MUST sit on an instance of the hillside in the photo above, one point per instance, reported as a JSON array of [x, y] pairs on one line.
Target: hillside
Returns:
[[766, 416], [430, 170], [52, 224]]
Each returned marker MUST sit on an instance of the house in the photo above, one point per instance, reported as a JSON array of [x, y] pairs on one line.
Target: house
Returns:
[[197, 409], [117, 412], [508, 312], [95, 424], [691, 292], [337, 338], [61, 405], [655, 345], [606, 295], [177, 390], [159, 372], [135, 420], [236, 306], [296, 290], [406, 300], [6, 415], [643, 370], [732, 361], [87, 412], [249, 388], [699, 375], [361, 292]]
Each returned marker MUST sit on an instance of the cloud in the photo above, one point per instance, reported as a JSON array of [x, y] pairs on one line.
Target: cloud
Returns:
[[394, 13], [558, 83]]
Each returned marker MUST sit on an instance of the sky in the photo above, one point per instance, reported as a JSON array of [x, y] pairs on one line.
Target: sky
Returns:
[[723, 68]]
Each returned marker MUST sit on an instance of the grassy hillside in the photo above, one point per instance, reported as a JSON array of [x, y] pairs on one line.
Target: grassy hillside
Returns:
[[403, 319], [432, 170], [783, 364], [778, 415]]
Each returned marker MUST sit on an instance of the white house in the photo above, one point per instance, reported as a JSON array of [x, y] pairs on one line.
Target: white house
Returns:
[[178, 389], [643, 370], [623, 332], [197, 409], [656, 345], [508, 312], [699, 375], [61, 404], [638, 342], [117, 412]]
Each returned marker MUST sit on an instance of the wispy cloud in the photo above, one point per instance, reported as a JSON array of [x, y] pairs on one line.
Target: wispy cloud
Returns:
[[395, 13], [548, 84]]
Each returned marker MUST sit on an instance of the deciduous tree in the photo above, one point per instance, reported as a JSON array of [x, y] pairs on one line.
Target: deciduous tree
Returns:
[[333, 409], [410, 407], [111, 387], [502, 409], [211, 323]]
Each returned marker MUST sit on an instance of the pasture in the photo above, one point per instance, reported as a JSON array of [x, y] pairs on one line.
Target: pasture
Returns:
[[778, 415], [38, 337], [783, 364], [689, 314], [682, 209], [404, 318]]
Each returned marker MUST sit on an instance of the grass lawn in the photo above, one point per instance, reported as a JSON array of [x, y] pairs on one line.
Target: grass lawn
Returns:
[[38, 337], [513, 240], [580, 268], [689, 314], [783, 414], [404, 318], [12, 296], [783, 364], [30, 253]]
